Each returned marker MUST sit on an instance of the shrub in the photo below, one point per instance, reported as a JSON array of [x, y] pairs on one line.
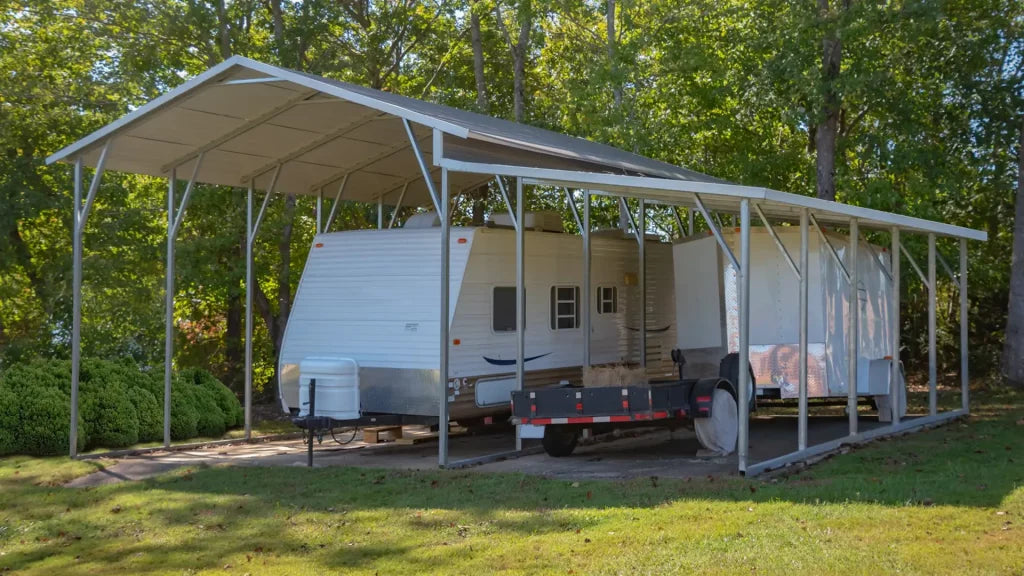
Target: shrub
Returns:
[[43, 423], [110, 416], [9, 422], [211, 420], [225, 399], [150, 413], [184, 417]]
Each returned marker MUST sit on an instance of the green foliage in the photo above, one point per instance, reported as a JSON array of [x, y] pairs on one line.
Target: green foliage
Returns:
[[119, 406], [224, 399], [149, 412], [184, 414]]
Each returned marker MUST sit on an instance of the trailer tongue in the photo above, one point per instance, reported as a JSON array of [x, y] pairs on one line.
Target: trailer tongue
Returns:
[[566, 411]]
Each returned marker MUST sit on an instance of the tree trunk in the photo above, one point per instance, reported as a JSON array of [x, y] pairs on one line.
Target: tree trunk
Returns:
[[233, 343], [278, 19], [828, 129], [478, 61], [519, 50], [223, 30], [1013, 348], [612, 56]]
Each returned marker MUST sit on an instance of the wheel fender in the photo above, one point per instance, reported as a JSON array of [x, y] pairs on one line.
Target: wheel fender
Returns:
[[703, 393]]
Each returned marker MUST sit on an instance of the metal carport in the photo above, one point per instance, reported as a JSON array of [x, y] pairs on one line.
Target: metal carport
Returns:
[[248, 124]]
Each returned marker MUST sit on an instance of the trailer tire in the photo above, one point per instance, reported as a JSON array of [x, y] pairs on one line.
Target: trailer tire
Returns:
[[729, 368], [718, 433], [560, 441]]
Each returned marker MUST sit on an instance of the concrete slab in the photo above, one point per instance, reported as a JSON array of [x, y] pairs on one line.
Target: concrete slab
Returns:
[[658, 452]]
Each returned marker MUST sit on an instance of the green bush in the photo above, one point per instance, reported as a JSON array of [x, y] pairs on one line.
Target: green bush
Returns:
[[225, 399], [42, 427], [9, 422], [150, 414], [110, 417], [184, 416], [120, 405]]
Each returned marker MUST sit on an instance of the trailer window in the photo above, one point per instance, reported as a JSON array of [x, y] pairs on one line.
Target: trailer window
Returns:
[[503, 309], [565, 307], [607, 300]]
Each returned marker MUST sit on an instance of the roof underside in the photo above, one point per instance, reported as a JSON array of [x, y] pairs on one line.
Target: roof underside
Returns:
[[248, 118]]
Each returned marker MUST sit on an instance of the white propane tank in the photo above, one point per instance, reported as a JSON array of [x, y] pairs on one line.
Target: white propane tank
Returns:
[[337, 387]]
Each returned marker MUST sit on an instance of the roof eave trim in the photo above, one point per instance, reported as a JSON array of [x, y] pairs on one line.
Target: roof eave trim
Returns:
[[151, 106], [198, 81]]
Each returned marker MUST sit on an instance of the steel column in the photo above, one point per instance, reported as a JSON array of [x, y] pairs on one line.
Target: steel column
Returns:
[[744, 336], [853, 326], [442, 206], [249, 234], [642, 267], [965, 393], [320, 211], [380, 212], [334, 205], [689, 222], [586, 279], [76, 306], [520, 294], [81, 215], [933, 367], [169, 308], [896, 391], [803, 278], [398, 206]]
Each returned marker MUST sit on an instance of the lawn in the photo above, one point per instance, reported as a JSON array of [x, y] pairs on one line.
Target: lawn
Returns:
[[949, 500]]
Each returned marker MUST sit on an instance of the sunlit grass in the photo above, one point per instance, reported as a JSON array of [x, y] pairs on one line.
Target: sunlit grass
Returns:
[[949, 500]]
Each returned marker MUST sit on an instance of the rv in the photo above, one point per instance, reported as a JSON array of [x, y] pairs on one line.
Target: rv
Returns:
[[370, 298]]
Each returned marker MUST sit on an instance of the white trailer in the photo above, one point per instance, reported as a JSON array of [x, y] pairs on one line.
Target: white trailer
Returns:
[[370, 296], [707, 306]]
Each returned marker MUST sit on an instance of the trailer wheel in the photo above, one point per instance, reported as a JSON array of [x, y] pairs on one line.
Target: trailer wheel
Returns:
[[560, 441], [718, 433]]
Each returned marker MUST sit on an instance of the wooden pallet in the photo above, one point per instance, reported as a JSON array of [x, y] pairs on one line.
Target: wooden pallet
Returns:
[[372, 435]]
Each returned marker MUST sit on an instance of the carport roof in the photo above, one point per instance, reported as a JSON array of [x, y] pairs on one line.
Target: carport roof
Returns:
[[247, 118]]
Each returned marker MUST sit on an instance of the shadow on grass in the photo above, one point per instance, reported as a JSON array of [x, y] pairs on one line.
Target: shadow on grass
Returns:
[[351, 518]]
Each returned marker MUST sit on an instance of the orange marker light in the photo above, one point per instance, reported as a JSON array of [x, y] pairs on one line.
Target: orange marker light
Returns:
[[456, 342], [461, 240], [319, 244]]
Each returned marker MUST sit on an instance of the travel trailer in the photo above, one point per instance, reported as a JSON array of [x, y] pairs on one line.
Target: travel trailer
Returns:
[[370, 298]]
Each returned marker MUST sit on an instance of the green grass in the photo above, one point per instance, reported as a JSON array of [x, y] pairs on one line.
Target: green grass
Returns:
[[949, 500]]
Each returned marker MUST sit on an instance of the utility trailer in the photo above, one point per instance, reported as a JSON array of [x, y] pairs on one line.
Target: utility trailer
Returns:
[[565, 411]]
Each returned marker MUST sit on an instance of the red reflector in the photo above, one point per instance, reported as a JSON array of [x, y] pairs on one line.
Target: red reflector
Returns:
[[703, 398], [579, 407], [625, 404], [488, 420], [319, 244], [456, 342], [533, 408], [461, 240]]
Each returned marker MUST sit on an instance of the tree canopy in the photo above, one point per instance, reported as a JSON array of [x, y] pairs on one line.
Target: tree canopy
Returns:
[[925, 109]]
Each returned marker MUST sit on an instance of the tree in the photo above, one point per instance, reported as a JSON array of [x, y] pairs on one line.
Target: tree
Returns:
[[1013, 352]]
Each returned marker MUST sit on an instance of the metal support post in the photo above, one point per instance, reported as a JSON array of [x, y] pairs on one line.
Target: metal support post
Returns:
[[81, 215], [169, 308], [642, 268], [853, 325], [965, 393], [76, 306], [252, 227], [380, 212], [520, 294], [334, 205], [803, 278], [933, 367], [679, 222], [320, 211], [896, 391], [249, 234], [311, 422], [398, 206], [743, 273], [586, 279], [442, 206], [689, 222]]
